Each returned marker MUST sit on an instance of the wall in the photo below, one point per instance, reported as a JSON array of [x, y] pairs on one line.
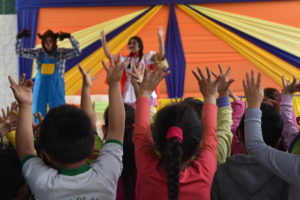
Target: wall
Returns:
[[8, 58]]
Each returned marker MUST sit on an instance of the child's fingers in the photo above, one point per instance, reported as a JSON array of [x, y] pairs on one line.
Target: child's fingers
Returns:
[[22, 79], [208, 73], [252, 77], [214, 74], [228, 72], [247, 79], [196, 76], [283, 81], [11, 81], [258, 83], [201, 74], [104, 65], [220, 69]]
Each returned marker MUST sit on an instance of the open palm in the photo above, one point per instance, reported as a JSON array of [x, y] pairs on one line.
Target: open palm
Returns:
[[23, 90]]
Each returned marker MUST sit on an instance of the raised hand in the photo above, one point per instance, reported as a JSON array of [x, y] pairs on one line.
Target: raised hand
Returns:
[[86, 77], [151, 80], [253, 91], [137, 73], [63, 35], [208, 86], [114, 72], [160, 32], [102, 36], [23, 33], [233, 95], [22, 91], [288, 87], [224, 83]]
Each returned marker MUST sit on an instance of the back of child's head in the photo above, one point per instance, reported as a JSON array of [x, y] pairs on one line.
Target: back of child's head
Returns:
[[128, 175], [175, 151], [271, 93], [271, 125], [66, 134], [194, 103], [11, 178]]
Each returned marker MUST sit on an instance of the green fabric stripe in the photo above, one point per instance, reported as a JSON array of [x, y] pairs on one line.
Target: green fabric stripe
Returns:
[[75, 171], [27, 158], [114, 141]]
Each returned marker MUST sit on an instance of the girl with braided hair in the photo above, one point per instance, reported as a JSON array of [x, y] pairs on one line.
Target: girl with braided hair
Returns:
[[49, 87], [176, 157]]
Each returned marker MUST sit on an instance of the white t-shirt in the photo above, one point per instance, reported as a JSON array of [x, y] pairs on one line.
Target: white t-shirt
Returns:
[[129, 94], [95, 182]]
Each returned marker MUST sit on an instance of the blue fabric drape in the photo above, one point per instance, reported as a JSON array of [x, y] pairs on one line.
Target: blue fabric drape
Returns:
[[89, 3], [175, 57], [96, 45], [27, 18], [288, 57]]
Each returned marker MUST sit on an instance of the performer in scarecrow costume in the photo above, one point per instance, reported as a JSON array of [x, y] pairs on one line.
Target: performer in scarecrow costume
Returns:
[[49, 87]]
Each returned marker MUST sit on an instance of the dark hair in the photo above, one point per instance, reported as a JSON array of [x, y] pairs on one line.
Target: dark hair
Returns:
[[128, 175], [11, 178], [173, 153], [298, 120], [194, 103], [51, 34], [66, 134], [271, 93], [140, 42], [271, 125]]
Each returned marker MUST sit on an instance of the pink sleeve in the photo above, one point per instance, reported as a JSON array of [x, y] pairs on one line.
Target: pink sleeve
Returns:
[[238, 109], [207, 156], [144, 148]]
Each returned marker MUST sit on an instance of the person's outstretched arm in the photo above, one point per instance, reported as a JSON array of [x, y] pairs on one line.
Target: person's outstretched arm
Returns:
[[116, 112], [105, 47], [284, 165], [86, 101], [290, 130], [24, 132], [224, 119]]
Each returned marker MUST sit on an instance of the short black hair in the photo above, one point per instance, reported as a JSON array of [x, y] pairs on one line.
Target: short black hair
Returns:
[[271, 125], [11, 178], [66, 134]]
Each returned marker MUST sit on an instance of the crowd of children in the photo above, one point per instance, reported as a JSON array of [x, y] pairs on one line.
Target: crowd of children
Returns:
[[189, 150]]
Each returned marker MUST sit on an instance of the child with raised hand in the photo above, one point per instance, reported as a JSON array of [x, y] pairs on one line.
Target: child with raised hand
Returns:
[[283, 164], [67, 139], [290, 129], [184, 166]]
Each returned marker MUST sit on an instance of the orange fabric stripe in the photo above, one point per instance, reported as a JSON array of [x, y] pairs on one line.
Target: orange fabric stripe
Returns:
[[75, 19]]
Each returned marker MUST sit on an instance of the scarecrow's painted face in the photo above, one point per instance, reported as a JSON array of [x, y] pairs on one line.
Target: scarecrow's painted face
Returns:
[[49, 44]]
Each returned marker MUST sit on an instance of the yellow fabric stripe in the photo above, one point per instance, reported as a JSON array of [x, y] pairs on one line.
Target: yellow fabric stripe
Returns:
[[269, 64], [89, 35], [281, 36], [73, 77]]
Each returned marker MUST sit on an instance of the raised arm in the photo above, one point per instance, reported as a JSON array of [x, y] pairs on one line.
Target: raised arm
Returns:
[[207, 158], [24, 133], [238, 110], [161, 50], [224, 120], [105, 47], [86, 101], [22, 52], [284, 165], [290, 130], [74, 51], [116, 112]]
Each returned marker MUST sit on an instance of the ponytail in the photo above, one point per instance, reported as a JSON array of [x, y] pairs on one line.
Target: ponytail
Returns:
[[172, 162]]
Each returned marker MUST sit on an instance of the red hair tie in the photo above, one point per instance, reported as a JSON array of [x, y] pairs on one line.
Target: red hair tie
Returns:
[[175, 131]]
